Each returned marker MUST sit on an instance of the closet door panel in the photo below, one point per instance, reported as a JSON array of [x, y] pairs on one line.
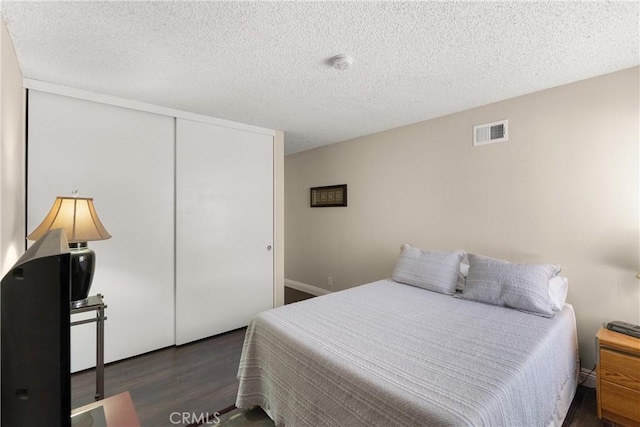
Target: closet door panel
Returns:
[[124, 159], [224, 228]]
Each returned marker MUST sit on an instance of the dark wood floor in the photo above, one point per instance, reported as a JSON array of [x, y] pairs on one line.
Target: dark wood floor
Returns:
[[201, 378], [195, 378], [293, 295]]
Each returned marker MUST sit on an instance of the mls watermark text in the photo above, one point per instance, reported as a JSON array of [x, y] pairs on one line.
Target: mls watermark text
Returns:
[[202, 418]]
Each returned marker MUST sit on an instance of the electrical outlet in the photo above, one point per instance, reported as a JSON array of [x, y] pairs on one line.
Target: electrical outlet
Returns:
[[330, 282]]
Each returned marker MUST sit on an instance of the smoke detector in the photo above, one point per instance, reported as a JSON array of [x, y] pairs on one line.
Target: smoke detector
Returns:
[[341, 62]]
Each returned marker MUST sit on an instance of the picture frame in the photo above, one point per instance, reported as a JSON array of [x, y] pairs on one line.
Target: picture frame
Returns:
[[329, 196]]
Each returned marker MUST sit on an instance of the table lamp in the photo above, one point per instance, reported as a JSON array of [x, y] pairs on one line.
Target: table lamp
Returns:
[[78, 218]]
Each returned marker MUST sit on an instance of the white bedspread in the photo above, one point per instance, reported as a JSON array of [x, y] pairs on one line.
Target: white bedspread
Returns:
[[387, 354]]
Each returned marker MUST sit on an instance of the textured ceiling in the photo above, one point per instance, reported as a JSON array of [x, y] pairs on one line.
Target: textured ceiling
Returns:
[[265, 63]]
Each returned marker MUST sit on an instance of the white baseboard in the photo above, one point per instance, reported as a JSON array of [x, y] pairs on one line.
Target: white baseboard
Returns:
[[588, 378], [310, 289]]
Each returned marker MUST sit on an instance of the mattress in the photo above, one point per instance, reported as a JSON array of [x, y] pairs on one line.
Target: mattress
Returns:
[[386, 354]]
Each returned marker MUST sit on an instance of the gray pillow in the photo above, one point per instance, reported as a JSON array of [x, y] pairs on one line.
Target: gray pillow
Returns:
[[435, 271], [524, 287]]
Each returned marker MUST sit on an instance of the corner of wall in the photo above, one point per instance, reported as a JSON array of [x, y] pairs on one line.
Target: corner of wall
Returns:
[[12, 155]]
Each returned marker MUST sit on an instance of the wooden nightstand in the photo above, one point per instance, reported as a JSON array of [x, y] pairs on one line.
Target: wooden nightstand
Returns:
[[618, 385]]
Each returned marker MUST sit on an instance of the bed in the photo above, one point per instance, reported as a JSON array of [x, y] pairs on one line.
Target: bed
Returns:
[[387, 354]]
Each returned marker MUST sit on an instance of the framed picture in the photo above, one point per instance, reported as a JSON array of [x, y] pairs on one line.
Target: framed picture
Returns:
[[326, 197]]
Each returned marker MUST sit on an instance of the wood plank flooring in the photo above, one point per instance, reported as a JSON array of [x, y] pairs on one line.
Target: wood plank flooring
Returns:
[[194, 378], [201, 378], [293, 295]]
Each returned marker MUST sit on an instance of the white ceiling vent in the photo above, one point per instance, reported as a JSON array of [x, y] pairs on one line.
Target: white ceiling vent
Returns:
[[490, 133]]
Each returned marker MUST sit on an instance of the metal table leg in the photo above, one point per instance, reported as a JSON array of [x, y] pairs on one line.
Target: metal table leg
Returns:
[[100, 354], [95, 303]]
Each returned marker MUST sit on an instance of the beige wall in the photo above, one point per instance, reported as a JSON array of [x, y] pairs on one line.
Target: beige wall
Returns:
[[12, 155], [563, 189]]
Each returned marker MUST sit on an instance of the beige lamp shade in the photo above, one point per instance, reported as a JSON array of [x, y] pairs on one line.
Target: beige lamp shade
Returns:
[[78, 218]]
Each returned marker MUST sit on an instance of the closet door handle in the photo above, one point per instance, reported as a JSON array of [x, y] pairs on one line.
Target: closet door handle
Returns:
[[269, 247]]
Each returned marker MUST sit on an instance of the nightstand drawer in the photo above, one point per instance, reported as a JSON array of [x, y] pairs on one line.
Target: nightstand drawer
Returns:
[[620, 400], [620, 368]]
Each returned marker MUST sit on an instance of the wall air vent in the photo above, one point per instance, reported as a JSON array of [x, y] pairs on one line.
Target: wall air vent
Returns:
[[490, 133]]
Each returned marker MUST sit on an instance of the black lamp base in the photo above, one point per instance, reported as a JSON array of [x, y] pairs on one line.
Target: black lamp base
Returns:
[[82, 267]]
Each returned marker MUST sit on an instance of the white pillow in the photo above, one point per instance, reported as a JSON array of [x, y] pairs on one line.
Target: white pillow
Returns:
[[524, 287], [435, 271], [558, 289], [462, 275]]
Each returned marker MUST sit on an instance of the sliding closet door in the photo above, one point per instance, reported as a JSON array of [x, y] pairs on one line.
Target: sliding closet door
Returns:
[[224, 228], [123, 159]]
